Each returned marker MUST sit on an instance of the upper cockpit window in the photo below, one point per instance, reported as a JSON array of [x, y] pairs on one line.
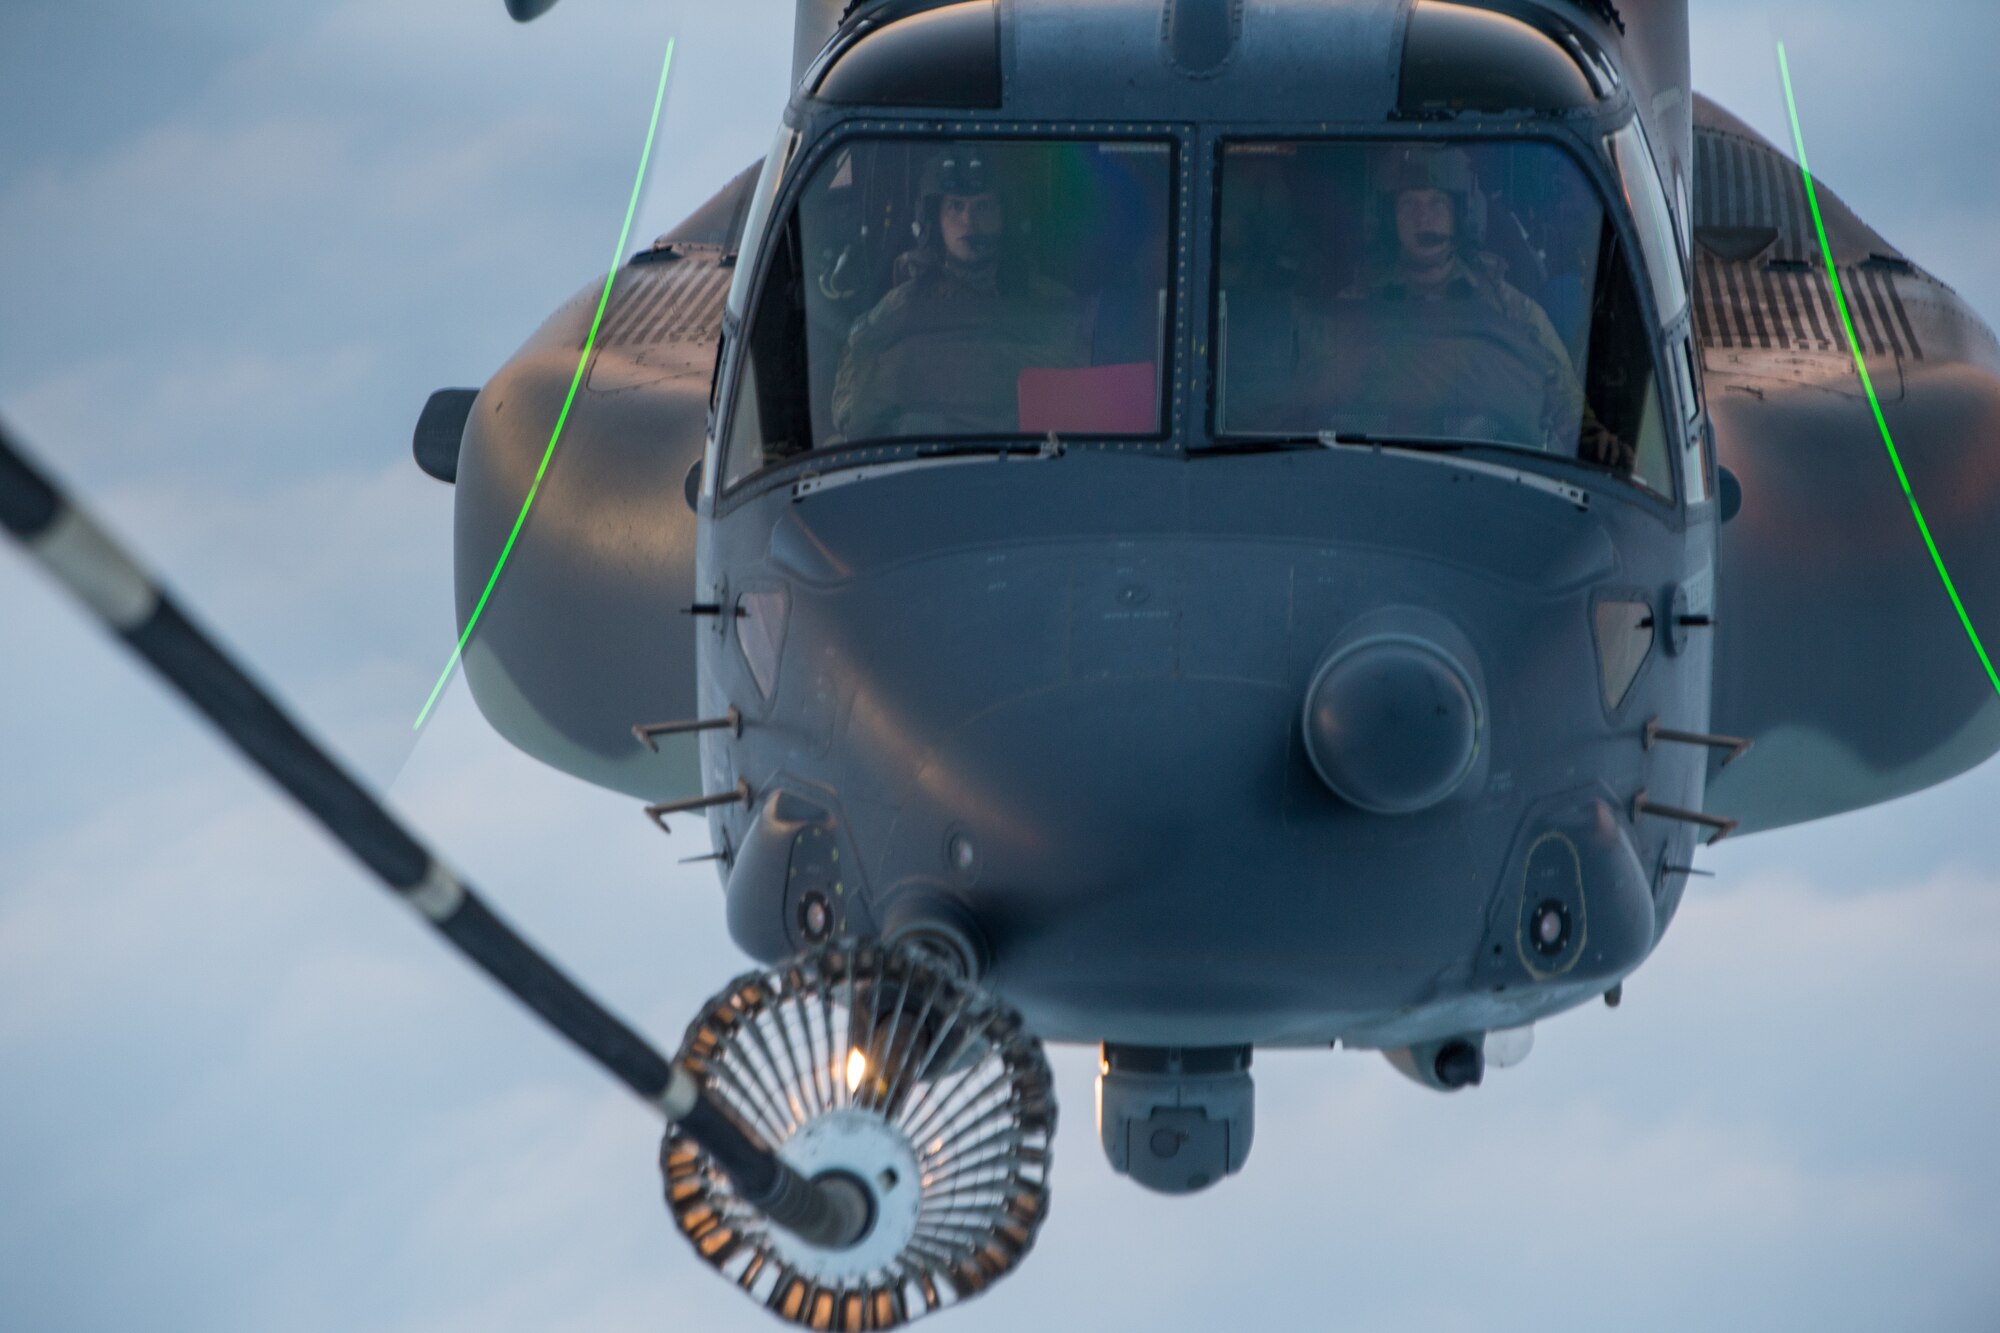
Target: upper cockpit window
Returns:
[[933, 290], [1468, 292]]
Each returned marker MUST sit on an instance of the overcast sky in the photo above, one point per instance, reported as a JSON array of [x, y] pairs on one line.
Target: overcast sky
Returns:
[[240, 1091]]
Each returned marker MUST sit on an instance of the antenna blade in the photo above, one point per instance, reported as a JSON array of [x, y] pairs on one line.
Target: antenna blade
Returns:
[[93, 566]]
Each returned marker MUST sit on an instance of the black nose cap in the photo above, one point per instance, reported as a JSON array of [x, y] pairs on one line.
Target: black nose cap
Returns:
[[441, 430], [1459, 1064]]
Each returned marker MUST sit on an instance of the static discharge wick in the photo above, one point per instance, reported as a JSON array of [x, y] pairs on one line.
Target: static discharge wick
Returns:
[[1867, 384], [582, 360]]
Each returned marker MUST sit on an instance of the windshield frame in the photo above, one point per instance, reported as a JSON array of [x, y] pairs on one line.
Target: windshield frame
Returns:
[[1659, 236], [1582, 139], [809, 158], [771, 180]]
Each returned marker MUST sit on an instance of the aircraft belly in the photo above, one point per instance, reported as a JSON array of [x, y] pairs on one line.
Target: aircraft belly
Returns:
[[1112, 727]]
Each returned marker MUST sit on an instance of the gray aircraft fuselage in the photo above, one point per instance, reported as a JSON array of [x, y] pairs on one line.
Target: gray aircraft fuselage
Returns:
[[1056, 702], [1061, 697]]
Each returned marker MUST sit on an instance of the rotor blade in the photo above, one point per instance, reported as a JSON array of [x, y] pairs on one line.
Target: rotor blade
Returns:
[[95, 568]]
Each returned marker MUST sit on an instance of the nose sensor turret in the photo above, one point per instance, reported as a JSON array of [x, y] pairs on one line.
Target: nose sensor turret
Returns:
[[1392, 723], [1176, 1120]]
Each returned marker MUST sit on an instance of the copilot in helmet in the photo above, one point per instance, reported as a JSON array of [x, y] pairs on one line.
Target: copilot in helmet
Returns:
[[1428, 168], [962, 169]]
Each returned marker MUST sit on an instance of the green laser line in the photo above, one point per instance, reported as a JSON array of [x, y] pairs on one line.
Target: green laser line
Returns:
[[589, 342], [1867, 384]]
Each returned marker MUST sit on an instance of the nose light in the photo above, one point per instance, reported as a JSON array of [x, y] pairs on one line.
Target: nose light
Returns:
[[1392, 724]]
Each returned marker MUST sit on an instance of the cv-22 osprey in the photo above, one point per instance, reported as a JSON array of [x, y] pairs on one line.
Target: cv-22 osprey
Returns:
[[1191, 525]]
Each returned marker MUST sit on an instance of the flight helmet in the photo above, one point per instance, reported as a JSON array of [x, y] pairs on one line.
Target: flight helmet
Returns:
[[961, 169], [1428, 168]]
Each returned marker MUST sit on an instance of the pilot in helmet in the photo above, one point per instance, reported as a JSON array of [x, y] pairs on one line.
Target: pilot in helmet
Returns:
[[1428, 203], [940, 354], [961, 213], [1427, 226]]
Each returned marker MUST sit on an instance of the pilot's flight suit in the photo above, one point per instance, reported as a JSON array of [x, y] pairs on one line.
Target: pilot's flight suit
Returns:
[[942, 352], [1452, 377]]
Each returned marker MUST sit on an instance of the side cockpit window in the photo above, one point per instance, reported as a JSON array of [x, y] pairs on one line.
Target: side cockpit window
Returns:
[[771, 420], [1658, 237], [1433, 292], [1621, 386], [769, 177], [926, 290]]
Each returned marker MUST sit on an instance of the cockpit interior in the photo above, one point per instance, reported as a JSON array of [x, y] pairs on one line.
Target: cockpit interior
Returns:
[[1428, 292]]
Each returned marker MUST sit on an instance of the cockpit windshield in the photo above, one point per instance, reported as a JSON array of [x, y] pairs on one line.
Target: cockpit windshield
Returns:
[[1468, 292], [939, 290]]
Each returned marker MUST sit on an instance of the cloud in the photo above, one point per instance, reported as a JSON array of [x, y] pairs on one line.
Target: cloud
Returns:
[[1650, 1162]]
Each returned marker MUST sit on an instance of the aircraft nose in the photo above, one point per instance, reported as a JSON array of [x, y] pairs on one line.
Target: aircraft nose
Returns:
[[1392, 723]]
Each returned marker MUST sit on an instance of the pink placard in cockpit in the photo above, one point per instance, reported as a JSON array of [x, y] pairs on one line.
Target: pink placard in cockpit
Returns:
[[1093, 400]]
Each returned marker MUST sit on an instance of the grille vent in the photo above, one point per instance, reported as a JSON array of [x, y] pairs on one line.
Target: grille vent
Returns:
[[1790, 307], [666, 303]]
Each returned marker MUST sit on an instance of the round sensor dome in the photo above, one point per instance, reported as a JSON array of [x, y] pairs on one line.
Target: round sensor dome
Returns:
[[1392, 724]]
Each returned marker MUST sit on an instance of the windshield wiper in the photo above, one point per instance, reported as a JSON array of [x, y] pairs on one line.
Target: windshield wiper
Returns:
[[1426, 443], [1452, 445], [1332, 439], [1430, 447], [839, 470], [1050, 446], [1436, 450]]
